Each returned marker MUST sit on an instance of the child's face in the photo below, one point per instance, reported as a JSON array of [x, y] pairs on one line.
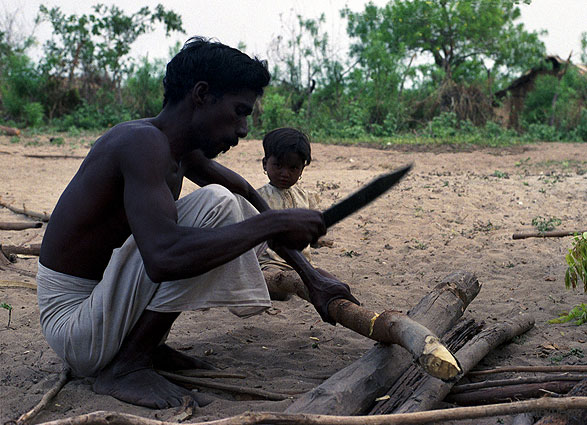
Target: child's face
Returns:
[[284, 172]]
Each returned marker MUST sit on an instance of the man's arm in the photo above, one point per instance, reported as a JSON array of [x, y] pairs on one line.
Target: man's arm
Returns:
[[171, 251], [322, 286]]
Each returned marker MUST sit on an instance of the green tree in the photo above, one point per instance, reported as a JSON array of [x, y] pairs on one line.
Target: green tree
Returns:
[[462, 39], [94, 47]]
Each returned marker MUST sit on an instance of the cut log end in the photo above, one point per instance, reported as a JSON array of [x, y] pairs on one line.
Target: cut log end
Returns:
[[438, 361]]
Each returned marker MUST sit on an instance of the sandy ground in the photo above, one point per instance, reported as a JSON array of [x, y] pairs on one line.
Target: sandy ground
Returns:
[[456, 210]]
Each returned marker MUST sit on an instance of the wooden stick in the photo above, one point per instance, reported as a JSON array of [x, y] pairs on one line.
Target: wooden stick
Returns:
[[551, 234], [508, 393], [201, 373], [40, 216], [63, 379], [32, 249], [252, 418], [10, 131], [19, 225], [52, 156], [16, 284], [514, 381], [351, 391], [546, 369], [268, 395]]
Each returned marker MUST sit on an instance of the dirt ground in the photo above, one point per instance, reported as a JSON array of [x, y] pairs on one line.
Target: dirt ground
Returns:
[[455, 210]]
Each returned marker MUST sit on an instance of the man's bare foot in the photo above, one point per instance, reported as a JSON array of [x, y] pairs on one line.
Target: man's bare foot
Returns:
[[168, 359], [145, 387]]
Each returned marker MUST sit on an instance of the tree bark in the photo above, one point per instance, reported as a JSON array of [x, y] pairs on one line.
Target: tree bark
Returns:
[[545, 369], [19, 226], [515, 381], [430, 391], [571, 417], [352, 390]]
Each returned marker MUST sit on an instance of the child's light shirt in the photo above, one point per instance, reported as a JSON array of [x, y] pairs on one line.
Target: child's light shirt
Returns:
[[279, 199]]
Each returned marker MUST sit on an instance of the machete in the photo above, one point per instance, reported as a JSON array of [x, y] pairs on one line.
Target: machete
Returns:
[[363, 196]]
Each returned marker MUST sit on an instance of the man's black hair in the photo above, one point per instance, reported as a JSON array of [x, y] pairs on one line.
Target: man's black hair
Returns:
[[224, 68], [282, 141]]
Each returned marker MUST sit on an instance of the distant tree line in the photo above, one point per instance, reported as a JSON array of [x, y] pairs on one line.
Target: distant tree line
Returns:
[[414, 67]]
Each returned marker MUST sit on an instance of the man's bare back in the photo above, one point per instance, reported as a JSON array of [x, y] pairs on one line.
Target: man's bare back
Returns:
[[89, 221]]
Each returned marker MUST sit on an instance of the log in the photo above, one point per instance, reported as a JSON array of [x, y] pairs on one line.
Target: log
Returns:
[[551, 234], [572, 417], [431, 391], [252, 418], [392, 327], [10, 131], [389, 327], [404, 386], [24, 211], [351, 391], [32, 249], [19, 225], [509, 393]]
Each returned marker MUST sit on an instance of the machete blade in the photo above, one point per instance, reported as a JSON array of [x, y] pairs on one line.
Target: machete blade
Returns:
[[364, 196]]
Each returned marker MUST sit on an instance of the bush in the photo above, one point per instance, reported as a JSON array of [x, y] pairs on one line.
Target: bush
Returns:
[[33, 114]]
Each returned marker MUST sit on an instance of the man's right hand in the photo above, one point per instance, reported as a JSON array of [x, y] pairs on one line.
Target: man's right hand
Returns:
[[302, 227]]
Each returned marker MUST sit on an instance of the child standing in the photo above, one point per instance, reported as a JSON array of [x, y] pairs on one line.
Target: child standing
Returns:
[[287, 153]]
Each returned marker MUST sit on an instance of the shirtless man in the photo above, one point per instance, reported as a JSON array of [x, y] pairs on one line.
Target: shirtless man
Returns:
[[122, 256]]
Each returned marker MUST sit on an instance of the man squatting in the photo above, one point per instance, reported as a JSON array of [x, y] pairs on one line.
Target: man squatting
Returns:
[[122, 256]]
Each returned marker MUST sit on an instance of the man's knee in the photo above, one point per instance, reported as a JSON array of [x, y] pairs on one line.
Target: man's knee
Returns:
[[211, 206]]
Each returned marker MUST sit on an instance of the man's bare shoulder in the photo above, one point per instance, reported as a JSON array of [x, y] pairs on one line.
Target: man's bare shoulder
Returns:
[[133, 137]]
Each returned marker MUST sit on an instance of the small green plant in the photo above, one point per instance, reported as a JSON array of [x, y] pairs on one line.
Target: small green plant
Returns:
[[9, 308], [500, 174], [577, 261], [544, 224], [577, 313]]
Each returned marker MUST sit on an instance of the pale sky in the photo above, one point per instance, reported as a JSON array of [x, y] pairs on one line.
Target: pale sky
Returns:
[[257, 22]]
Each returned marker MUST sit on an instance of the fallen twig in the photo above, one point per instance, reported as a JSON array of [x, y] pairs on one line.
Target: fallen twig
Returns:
[[24, 211], [53, 156], [19, 226], [551, 234], [515, 381], [252, 418], [201, 373], [32, 249], [16, 284], [546, 369], [510, 392], [267, 395], [63, 379]]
